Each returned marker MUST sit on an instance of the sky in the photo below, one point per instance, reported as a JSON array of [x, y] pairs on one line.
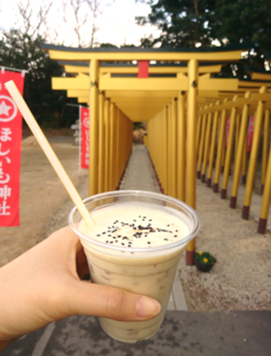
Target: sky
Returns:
[[116, 24]]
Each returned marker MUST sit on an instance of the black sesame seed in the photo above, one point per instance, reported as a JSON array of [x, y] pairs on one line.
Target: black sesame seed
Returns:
[[98, 235], [122, 244], [175, 235], [166, 239], [149, 242]]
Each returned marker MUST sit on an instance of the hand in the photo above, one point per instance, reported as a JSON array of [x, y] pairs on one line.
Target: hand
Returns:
[[44, 285]]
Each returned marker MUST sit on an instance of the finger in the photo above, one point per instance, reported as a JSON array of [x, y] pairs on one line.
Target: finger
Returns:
[[109, 302]]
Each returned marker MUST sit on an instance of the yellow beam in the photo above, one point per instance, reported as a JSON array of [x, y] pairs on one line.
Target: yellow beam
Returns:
[[224, 56], [158, 70], [245, 84], [141, 101], [144, 84], [71, 83], [261, 76], [140, 94], [76, 69], [217, 84], [156, 84], [76, 93], [69, 68]]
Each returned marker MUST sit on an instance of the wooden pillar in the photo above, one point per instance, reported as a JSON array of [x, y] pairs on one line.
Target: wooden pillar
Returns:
[[220, 148], [199, 131], [266, 198], [201, 144], [206, 146], [227, 166], [181, 147], [165, 135], [174, 148], [244, 160], [111, 146], [170, 149], [253, 157], [236, 176], [117, 162], [237, 132], [101, 171], [93, 128], [191, 157], [106, 144], [212, 150], [266, 132]]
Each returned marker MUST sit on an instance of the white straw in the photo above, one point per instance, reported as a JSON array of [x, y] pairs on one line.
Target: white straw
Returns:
[[47, 149]]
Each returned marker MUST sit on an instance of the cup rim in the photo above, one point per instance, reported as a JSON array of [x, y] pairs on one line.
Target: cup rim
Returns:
[[117, 193]]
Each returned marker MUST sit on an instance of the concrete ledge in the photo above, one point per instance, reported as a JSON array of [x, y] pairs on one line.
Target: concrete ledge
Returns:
[[182, 333]]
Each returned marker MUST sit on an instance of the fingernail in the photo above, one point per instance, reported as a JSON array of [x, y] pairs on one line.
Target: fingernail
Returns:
[[146, 307]]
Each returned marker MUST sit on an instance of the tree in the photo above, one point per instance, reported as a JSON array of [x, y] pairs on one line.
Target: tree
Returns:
[[183, 23], [190, 23], [48, 106]]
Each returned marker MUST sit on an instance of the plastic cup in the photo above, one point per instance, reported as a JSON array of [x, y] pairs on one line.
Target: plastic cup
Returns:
[[146, 271]]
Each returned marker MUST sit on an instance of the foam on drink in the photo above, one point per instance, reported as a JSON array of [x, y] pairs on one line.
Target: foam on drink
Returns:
[[132, 225]]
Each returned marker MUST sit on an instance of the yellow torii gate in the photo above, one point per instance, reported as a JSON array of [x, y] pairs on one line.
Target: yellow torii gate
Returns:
[[192, 83]]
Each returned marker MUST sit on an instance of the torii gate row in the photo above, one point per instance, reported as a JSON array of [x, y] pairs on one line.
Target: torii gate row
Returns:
[[124, 91], [191, 84]]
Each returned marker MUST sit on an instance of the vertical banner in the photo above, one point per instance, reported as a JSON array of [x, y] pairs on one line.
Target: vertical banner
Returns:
[[84, 123], [250, 133], [227, 131], [10, 151]]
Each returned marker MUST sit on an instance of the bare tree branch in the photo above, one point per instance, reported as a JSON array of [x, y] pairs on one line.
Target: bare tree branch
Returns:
[[97, 8], [33, 22]]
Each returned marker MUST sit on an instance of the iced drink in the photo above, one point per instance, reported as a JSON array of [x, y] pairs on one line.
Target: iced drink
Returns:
[[135, 245]]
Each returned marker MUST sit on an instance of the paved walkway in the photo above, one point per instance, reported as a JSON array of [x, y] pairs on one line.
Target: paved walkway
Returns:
[[140, 175]]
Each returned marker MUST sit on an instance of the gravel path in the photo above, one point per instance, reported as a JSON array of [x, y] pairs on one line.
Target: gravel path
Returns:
[[241, 278]]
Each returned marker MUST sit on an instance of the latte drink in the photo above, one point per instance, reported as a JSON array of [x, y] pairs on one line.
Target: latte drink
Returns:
[[135, 245]]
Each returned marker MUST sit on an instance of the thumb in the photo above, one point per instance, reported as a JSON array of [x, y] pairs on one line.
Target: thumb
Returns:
[[109, 302]]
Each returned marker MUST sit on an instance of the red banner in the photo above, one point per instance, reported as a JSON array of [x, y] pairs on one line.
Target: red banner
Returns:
[[10, 151], [250, 133], [84, 126]]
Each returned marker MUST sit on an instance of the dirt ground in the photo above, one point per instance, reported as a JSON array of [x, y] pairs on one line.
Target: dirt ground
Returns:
[[241, 278], [41, 196]]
